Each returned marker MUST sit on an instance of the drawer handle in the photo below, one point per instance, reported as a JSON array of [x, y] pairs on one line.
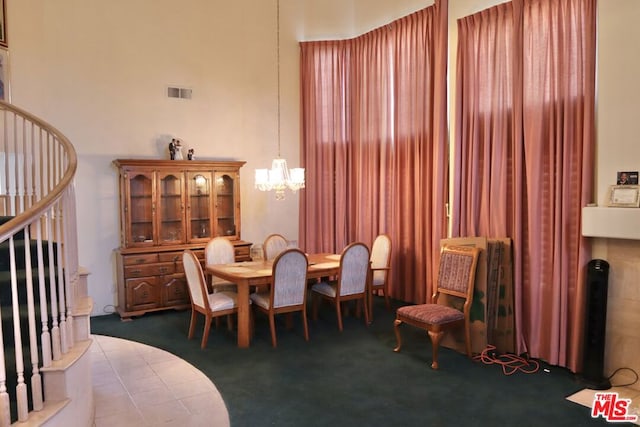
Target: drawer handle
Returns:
[[163, 269], [136, 272], [140, 261]]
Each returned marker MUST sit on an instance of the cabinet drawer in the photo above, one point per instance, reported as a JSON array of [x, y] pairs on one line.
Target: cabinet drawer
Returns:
[[158, 269], [170, 257], [242, 251], [139, 259]]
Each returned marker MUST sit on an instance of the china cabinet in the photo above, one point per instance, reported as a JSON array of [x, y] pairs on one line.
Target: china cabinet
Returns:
[[167, 206]]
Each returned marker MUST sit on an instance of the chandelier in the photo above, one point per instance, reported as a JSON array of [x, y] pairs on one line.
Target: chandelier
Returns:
[[279, 177]]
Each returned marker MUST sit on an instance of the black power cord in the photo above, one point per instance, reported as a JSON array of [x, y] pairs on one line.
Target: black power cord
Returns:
[[624, 385]]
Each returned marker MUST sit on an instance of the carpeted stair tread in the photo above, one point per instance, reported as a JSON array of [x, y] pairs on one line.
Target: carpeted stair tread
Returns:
[[5, 286], [19, 250], [6, 301]]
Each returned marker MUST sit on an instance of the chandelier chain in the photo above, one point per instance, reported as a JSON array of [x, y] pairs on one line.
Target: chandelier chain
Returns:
[[279, 177], [278, 65]]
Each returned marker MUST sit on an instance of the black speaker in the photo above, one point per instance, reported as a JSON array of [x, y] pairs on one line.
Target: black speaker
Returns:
[[595, 325]]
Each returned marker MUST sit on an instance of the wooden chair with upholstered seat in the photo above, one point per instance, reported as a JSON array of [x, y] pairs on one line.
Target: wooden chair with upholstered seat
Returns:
[[352, 282], [211, 305], [220, 250], [273, 245], [456, 277], [288, 291], [380, 267]]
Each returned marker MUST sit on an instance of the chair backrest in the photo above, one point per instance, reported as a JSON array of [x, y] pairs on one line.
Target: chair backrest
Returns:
[[273, 245], [219, 250], [354, 269], [380, 258], [195, 279], [289, 278], [457, 271]]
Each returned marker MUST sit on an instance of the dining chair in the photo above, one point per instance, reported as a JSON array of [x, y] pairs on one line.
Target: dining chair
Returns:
[[380, 267], [288, 291], [456, 277], [351, 284], [273, 245], [219, 250], [211, 305]]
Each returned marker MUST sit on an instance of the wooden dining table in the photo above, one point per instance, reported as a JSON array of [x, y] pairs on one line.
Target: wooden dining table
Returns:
[[255, 273]]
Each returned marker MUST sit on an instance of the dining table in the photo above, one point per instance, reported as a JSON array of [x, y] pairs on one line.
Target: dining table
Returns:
[[259, 273]]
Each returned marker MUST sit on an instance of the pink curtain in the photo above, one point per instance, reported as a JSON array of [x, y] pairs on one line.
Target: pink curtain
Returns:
[[374, 144], [524, 147]]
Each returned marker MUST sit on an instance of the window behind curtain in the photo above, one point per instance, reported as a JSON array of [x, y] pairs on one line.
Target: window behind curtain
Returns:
[[524, 162], [374, 134]]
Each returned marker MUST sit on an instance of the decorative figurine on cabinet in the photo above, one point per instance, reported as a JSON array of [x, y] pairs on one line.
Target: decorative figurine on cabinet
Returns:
[[178, 148], [172, 149], [190, 153]]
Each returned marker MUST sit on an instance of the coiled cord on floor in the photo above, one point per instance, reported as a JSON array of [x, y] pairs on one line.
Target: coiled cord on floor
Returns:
[[510, 362], [624, 385]]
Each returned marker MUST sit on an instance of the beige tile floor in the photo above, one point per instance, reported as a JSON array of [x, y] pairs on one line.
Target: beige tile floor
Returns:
[[585, 398], [138, 385]]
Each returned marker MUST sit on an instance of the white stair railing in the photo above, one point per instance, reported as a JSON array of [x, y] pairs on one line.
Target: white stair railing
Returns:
[[37, 165]]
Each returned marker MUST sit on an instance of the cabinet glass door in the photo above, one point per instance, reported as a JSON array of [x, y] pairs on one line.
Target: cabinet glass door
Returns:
[[140, 211], [226, 212], [171, 221], [199, 213]]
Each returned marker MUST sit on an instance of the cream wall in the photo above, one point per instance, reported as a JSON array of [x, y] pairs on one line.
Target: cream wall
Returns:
[[618, 128], [98, 71]]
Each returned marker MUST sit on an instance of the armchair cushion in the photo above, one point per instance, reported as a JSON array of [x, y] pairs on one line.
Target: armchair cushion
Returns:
[[434, 314]]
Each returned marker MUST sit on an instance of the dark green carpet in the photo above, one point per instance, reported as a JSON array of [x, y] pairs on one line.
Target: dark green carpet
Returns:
[[354, 377]]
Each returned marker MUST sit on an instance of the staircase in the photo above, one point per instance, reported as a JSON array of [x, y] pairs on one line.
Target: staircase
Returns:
[[45, 366]]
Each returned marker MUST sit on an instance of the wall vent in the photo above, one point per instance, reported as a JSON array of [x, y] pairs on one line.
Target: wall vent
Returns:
[[179, 92]]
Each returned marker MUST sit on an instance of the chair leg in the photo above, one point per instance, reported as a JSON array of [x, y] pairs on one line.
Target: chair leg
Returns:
[[339, 312], [367, 319], [435, 343], [396, 328], [229, 322], [304, 323], [387, 300], [192, 324], [289, 320], [467, 339], [272, 326], [207, 329]]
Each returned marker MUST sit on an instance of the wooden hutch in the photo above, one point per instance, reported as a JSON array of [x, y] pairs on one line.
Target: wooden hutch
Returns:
[[167, 206]]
